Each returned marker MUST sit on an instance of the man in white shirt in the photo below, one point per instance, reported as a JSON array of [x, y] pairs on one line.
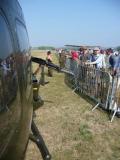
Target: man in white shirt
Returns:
[[99, 59]]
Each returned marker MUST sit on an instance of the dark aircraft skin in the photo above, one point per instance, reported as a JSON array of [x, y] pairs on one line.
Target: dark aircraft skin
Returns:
[[15, 82]]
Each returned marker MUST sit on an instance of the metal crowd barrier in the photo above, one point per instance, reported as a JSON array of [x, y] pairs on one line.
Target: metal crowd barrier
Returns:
[[115, 96], [97, 84]]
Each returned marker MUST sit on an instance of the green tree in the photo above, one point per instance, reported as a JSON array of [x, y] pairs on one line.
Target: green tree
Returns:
[[46, 48]]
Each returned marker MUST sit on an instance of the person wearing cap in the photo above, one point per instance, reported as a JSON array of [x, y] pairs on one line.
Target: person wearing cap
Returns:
[[98, 59]]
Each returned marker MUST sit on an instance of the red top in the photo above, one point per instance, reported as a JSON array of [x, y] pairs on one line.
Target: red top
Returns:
[[74, 55]]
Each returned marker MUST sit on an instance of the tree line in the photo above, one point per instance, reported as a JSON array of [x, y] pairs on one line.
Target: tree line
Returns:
[[44, 48]]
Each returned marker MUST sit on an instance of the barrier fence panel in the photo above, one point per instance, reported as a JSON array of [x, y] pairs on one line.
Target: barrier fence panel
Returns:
[[92, 82], [97, 84], [115, 96]]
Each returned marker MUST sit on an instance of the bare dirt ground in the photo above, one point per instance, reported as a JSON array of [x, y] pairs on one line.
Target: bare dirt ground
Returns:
[[69, 127]]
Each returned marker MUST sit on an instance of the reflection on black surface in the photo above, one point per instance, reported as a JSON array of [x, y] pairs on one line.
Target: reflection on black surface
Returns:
[[8, 82]]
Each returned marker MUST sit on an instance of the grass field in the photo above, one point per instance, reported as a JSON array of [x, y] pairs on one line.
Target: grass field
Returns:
[[69, 127]]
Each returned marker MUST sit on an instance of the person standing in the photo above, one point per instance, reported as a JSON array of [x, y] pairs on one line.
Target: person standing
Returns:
[[114, 59], [62, 59], [116, 66], [84, 57], [107, 57], [98, 59], [49, 60]]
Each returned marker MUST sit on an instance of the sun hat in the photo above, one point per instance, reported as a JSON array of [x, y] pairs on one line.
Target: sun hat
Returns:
[[96, 49]]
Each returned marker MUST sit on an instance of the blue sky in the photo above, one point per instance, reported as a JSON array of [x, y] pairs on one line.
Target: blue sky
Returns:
[[80, 22]]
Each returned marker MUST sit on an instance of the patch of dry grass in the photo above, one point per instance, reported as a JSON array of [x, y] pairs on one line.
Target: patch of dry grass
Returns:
[[69, 127]]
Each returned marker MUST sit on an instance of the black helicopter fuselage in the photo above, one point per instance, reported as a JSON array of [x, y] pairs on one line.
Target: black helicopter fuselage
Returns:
[[15, 82]]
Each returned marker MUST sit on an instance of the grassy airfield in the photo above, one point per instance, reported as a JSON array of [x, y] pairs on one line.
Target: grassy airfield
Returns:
[[69, 127]]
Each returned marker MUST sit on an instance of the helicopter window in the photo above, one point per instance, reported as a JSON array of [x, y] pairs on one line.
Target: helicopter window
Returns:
[[22, 37], [5, 40]]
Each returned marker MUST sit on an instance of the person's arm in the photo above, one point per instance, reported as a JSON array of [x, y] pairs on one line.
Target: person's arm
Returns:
[[99, 59]]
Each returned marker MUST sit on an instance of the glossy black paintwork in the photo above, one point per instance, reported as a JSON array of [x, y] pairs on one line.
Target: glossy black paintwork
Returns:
[[15, 85]]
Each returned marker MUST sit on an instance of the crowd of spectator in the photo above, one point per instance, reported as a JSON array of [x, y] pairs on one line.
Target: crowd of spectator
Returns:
[[107, 59], [96, 73]]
